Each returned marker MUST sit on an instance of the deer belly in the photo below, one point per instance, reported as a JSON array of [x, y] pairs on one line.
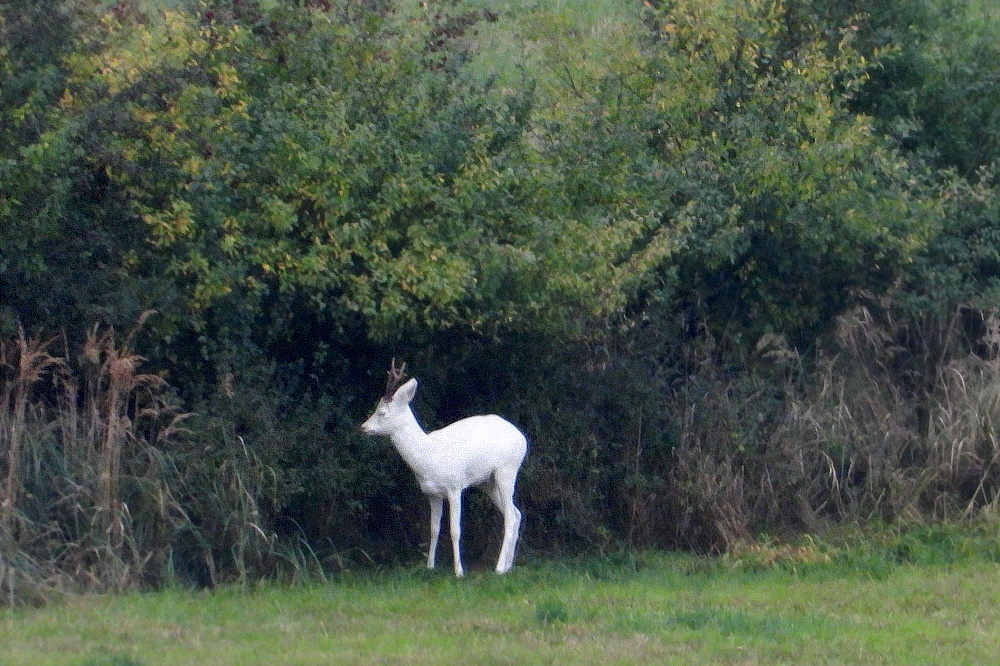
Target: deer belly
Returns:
[[442, 486]]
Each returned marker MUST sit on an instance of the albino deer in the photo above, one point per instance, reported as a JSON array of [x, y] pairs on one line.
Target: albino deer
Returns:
[[484, 451]]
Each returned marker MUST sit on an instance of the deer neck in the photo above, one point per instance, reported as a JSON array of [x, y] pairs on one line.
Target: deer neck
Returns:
[[411, 441]]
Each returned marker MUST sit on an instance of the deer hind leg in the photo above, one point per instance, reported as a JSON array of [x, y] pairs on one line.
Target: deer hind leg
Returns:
[[436, 503], [455, 516], [501, 491]]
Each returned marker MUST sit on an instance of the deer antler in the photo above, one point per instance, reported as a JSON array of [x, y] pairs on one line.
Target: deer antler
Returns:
[[395, 378]]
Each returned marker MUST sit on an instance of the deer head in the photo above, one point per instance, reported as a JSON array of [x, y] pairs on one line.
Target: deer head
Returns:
[[394, 407]]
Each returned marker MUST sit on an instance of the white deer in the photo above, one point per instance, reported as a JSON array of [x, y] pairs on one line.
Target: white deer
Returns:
[[484, 451]]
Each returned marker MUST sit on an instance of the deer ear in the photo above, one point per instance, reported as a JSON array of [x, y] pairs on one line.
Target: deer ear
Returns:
[[405, 393]]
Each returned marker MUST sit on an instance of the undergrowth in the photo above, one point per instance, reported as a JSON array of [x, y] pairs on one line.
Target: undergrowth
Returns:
[[105, 490], [870, 551]]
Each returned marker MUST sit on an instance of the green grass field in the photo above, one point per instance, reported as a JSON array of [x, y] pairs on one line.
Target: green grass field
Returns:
[[916, 601]]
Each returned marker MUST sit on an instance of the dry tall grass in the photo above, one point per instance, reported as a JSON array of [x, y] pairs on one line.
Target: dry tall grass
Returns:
[[104, 487], [88, 491], [876, 429], [29, 362]]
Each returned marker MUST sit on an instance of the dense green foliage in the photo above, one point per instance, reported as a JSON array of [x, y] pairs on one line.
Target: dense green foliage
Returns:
[[718, 258]]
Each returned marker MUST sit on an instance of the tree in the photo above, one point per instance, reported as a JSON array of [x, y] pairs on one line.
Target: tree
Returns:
[[791, 205], [59, 232]]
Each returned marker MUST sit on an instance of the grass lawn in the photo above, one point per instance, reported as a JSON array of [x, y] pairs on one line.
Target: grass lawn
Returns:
[[650, 609]]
